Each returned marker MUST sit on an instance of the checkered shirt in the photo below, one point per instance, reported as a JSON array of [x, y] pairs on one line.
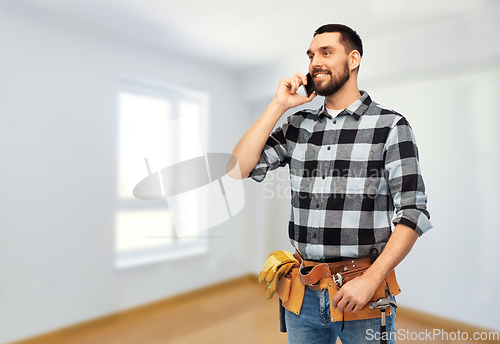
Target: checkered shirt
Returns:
[[351, 177]]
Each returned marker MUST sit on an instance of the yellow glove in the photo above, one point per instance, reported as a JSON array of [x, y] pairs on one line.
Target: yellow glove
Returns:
[[276, 266], [273, 285], [273, 263]]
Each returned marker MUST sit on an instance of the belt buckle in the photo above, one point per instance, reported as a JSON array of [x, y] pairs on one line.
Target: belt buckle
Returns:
[[338, 280]]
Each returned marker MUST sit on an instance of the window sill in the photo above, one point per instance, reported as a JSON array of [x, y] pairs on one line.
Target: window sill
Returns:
[[140, 258]]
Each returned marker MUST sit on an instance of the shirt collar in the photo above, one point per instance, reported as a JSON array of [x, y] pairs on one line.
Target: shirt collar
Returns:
[[356, 109]]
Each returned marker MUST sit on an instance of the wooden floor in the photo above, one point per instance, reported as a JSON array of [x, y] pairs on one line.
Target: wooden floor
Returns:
[[232, 313]]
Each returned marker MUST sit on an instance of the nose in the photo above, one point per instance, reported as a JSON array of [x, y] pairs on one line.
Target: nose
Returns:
[[316, 62]]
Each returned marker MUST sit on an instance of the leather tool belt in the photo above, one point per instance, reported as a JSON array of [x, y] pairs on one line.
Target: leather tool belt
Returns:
[[331, 276], [340, 272]]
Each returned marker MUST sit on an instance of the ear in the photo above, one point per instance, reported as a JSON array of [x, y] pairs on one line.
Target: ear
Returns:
[[354, 59]]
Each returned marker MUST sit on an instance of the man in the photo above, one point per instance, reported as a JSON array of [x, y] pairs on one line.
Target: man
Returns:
[[354, 170]]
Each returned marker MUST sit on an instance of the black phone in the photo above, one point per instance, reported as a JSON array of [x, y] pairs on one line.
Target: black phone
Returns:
[[310, 85]]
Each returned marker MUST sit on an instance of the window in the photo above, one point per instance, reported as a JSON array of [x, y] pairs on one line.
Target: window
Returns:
[[158, 127]]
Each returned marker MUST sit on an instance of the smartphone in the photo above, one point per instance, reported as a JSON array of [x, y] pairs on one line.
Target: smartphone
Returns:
[[310, 85]]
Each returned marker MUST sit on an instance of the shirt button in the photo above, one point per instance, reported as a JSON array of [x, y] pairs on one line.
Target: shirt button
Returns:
[[317, 205], [328, 148], [335, 121], [323, 177]]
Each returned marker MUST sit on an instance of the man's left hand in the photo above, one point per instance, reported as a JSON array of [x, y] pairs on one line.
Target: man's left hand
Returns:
[[354, 294]]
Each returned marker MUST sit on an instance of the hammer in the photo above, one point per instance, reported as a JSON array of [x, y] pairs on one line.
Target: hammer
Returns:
[[382, 304]]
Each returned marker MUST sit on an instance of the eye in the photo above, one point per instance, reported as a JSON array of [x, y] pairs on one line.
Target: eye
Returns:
[[326, 53]]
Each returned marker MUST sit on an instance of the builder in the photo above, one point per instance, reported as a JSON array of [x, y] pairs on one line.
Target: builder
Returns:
[[355, 184]]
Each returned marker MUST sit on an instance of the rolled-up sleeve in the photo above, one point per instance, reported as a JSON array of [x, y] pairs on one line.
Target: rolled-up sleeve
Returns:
[[274, 154], [406, 185]]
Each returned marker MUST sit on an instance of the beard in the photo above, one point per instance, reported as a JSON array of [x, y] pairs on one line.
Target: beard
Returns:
[[336, 82]]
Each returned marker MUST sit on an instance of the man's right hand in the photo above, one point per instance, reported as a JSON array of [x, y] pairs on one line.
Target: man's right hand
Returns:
[[248, 150], [287, 96]]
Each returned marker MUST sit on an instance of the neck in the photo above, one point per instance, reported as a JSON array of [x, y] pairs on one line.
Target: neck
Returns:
[[345, 96]]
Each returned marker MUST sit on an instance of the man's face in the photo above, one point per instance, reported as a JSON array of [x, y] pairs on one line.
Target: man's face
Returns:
[[328, 65]]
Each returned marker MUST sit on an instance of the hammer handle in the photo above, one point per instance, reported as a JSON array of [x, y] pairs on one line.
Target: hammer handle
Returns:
[[383, 334], [383, 327]]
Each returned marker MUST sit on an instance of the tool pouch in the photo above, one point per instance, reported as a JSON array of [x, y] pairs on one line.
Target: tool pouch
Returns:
[[291, 290]]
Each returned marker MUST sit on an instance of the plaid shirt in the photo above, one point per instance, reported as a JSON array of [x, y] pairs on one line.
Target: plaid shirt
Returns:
[[351, 177]]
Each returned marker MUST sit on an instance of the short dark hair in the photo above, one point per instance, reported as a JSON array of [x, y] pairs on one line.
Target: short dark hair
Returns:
[[348, 37]]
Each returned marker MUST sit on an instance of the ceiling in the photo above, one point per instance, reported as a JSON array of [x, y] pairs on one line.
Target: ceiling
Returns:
[[243, 33]]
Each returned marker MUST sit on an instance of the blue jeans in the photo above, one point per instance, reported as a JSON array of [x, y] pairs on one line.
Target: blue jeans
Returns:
[[314, 326]]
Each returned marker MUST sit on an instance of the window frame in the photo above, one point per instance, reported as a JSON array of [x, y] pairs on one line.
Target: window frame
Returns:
[[179, 247]]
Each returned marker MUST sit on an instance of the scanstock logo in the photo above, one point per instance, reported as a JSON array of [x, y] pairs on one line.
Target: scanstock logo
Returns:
[[196, 187]]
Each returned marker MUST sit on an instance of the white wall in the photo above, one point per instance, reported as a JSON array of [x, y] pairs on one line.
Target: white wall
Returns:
[[445, 79], [455, 119], [58, 141]]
